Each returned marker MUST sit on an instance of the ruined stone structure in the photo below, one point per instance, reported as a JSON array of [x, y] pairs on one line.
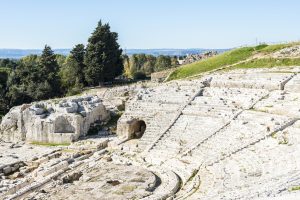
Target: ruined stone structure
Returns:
[[53, 121], [228, 135]]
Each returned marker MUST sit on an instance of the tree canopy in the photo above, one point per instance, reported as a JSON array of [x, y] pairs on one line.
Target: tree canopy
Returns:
[[139, 64], [35, 78]]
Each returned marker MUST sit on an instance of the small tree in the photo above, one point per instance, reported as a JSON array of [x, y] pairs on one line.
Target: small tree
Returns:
[[72, 71], [103, 56]]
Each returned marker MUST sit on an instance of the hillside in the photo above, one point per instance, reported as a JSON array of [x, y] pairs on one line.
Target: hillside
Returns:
[[246, 57]]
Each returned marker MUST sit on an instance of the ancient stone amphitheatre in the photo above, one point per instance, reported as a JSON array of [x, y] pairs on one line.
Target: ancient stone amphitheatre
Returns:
[[225, 135]]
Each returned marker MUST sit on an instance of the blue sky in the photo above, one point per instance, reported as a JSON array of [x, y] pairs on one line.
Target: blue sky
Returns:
[[149, 23]]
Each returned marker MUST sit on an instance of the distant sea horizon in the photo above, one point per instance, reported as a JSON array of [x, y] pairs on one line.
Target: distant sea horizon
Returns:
[[19, 53]]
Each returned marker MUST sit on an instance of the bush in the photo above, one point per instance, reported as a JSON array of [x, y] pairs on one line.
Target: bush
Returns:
[[139, 76]]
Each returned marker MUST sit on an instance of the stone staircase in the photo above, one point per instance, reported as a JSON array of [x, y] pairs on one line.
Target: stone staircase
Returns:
[[201, 118], [270, 167]]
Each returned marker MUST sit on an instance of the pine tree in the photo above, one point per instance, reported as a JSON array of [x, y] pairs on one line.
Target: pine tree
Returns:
[[48, 61], [103, 56]]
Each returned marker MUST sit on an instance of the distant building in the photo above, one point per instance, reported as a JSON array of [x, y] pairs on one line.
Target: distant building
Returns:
[[196, 57]]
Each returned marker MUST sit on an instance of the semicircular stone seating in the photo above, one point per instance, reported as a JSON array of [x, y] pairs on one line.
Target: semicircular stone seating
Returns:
[[237, 137]]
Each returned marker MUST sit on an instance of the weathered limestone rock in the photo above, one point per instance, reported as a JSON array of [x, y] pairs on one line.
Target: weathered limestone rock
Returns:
[[154, 107], [294, 84], [281, 103], [53, 121], [114, 98], [254, 80], [290, 52]]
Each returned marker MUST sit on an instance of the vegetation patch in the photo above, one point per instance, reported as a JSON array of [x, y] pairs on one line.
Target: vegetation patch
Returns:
[[128, 188], [295, 188], [114, 118], [276, 47], [268, 63], [50, 144], [273, 135], [227, 58], [238, 58], [284, 141]]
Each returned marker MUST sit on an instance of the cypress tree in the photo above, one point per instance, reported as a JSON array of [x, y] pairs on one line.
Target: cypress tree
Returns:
[[48, 74], [103, 56]]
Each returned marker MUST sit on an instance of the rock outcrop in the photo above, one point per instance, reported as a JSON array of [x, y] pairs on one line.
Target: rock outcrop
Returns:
[[289, 52], [53, 121]]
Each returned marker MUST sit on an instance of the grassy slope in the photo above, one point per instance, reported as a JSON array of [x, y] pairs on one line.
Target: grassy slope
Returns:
[[233, 57], [268, 63]]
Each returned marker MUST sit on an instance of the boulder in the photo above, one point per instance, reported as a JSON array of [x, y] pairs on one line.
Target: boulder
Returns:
[[7, 170], [72, 107]]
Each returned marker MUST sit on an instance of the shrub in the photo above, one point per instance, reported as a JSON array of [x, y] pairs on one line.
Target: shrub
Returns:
[[139, 76]]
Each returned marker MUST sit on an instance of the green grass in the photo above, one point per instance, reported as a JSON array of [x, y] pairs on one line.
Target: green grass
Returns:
[[295, 188], [218, 61], [128, 188], [234, 56], [50, 144], [277, 47], [268, 63]]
